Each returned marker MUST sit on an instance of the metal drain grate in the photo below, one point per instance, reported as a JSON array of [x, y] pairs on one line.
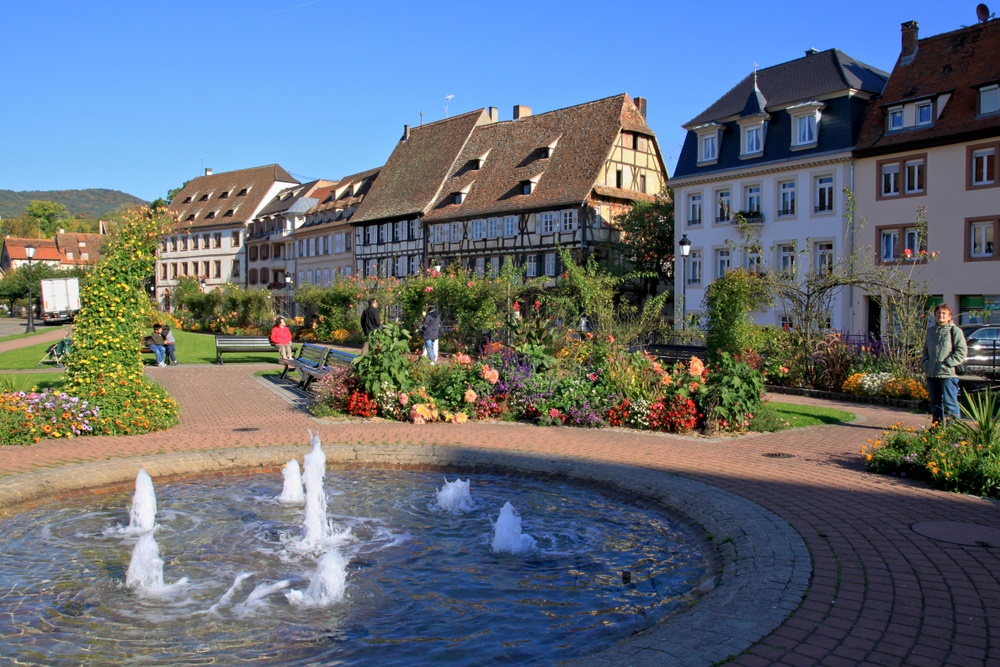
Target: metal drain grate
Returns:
[[778, 455], [246, 429]]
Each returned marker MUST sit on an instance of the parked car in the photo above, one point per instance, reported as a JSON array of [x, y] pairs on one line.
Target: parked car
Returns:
[[984, 348]]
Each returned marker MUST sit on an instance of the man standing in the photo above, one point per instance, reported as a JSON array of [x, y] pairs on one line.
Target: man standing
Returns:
[[432, 331], [370, 321], [944, 349]]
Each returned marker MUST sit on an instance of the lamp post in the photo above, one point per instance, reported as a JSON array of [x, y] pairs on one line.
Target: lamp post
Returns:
[[29, 251], [685, 246], [289, 305]]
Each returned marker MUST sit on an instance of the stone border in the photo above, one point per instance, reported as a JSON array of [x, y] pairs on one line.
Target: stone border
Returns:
[[762, 565]]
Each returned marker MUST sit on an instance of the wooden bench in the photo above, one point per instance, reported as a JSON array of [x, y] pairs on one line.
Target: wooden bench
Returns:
[[310, 357], [224, 343], [674, 353], [333, 357]]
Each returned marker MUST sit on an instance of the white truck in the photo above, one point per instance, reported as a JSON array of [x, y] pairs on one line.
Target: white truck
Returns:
[[60, 299]]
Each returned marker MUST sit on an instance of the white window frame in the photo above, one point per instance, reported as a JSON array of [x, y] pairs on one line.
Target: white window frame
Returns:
[[480, 267], [751, 198], [550, 264], [824, 193], [492, 228], [805, 130], [531, 266], [914, 176], [911, 242], [889, 179], [786, 258], [983, 162], [495, 265], [546, 223], [825, 257], [981, 233], [414, 264], [889, 249], [569, 220], [752, 139], [478, 229], [338, 243], [708, 148], [895, 118], [371, 234], [924, 106], [694, 268], [510, 226], [806, 118], [708, 142], [696, 209], [753, 261], [416, 230], [401, 266], [786, 198], [723, 205], [989, 99], [723, 261], [456, 232]]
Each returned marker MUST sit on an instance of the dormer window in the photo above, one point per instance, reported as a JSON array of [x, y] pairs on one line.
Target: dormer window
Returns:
[[224, 195], [203, 198], [752, 135], [895, 118], [190, 217], [459, 196], [210, 215], [243, 192], [989, 99], [805, 124], [187, 200], [478, 162], [708, 142], [924, 113], [528, 186], [229, 213]]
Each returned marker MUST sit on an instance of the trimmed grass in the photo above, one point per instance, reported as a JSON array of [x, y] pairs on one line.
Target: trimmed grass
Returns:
[[810, 415], [27, 381], [40, 330]]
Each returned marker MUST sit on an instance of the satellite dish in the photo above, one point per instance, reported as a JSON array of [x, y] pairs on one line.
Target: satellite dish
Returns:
[[982, 12]]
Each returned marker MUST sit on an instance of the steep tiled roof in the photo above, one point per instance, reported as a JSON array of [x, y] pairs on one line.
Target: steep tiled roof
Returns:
[[350, 196], [583, 136], [957, 62], [805, 78], [290, 196], [220, 193], [45, 249], [78, 244], [417, 168]]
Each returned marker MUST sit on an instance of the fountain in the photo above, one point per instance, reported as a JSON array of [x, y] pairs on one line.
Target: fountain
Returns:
[[404, 573], [455, 497], [292, 492], [142, 514], [507, 536]]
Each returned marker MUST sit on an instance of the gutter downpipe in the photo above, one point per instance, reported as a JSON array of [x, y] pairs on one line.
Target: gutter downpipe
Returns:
[[850, 288]]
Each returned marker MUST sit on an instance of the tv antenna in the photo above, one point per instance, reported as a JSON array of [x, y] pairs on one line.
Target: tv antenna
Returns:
[[447, 98]]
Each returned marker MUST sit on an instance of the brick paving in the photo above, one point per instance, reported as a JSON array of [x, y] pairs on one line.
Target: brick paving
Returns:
[[879, 593]]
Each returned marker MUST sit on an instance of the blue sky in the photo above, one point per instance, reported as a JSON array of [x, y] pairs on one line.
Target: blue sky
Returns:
[[141, 96]]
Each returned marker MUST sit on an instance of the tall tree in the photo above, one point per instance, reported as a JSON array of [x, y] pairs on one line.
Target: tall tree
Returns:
[[646, 239], [47, 216]]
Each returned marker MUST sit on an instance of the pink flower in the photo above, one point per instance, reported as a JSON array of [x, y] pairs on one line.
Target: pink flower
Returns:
[[783, 369], [908, 252], [611, 339], [469, 284], [428, 289], [403, 399], [553, 413], [517, 307], [470, 396], [592, 377], [538, 304]]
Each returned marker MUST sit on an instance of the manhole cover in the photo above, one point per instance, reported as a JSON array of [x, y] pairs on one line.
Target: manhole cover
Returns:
[[956, 532], [245, 429], [778, 455]]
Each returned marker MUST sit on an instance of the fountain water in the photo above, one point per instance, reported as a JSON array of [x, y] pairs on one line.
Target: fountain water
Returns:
[[145, 571], [142, 515], [317, 526], [454, 497], [507, 532], [292, 492], [327, 585]]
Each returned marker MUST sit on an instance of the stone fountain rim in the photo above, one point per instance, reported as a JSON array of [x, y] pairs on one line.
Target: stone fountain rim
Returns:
[[761, 563]]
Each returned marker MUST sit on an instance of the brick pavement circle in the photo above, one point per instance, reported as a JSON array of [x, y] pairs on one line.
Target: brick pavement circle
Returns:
[[759, 566]]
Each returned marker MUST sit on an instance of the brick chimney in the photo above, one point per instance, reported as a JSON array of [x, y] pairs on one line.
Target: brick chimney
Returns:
[[406, 133], [494, 114], [909, 42], [521, 111], [640, 104], [208, 171]]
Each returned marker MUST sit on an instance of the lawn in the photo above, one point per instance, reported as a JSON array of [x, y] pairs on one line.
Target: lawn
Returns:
[[27, 381], [39, 330], [192, 348], [810, 415]]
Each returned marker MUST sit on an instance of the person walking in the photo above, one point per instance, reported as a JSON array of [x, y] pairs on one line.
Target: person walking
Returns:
[[370, 321], [155, 343], [169, 344], [281, 337], [944, 349], [431, 329]]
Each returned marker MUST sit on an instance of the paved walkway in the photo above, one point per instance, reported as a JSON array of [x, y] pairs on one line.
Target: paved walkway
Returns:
[[880, 594]]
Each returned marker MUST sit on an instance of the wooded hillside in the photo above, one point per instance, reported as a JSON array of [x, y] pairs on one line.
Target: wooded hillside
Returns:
[[95, 203]]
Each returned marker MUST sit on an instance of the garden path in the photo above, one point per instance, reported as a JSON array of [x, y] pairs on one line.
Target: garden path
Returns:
[[880, 594]]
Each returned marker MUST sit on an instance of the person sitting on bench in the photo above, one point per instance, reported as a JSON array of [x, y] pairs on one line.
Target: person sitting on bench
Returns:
[[155, 343]]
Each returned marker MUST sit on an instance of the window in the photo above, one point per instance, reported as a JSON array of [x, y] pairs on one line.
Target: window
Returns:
[[889, 245], [805, 130], [478, 229], [531, 270], [550, 264], [911, 243], [982, 239], [163, 271], [480, 266], [824, 194], [187, 200], [235, 240], [914, 175], [236, 269], [399, 232], [383, 233], [326, 245], [338, 243], [210, 215], [194, 242], [902, 177], [184, 243], [252, 276], [242, 193], [694, 267], [824, 257], [204, 268], [752, 139], [546, 223], [371, 234], [348, 241], [895, 118], [708, 149], [253, 253], [456, 232], [619, 179], [752, 198], [265, 252], [492, 228], [510, 226], [415, 230], [569, 221], [265, 276], [723, 205], [805, 124], [982, 165], [753, 261], [372, 268], [203, 198], [786, 258], [401, 265], [277, 251], [723, 261], [924, 115], [786, 192], [989, 99], [495, 265], [694, 209], [217, 240], [173, 244], [311, 247], [890, 179], [642, 183]]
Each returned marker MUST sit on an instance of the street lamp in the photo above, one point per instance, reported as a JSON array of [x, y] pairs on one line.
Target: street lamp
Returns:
[[290, 304], [685, 246], [29, 251]]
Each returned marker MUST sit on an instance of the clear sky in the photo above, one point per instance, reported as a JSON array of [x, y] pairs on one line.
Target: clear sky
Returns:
[[140, 96]]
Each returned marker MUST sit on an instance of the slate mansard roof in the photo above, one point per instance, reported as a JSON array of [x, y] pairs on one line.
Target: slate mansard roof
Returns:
[[827, 76], [206, 201], [956, 63]]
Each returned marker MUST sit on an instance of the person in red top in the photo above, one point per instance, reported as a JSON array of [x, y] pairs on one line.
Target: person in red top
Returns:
[[281, 337]]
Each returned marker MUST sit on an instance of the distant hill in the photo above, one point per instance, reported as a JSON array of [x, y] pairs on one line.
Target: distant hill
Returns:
[[94, 203]]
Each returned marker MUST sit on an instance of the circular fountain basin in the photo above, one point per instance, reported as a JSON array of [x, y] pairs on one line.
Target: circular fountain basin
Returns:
[[424, 585]]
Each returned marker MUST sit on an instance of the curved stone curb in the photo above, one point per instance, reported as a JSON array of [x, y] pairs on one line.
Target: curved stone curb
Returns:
[[761, 564]]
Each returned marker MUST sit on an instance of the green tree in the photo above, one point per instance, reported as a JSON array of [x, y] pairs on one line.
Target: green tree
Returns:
[[19, 228], [646, 240], [728, 304], [47, 216], [171, 193]]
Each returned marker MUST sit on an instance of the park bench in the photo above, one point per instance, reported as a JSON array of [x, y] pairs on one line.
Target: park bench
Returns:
[[224, 343], [310, 357], [316, 372], [673, 353]]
